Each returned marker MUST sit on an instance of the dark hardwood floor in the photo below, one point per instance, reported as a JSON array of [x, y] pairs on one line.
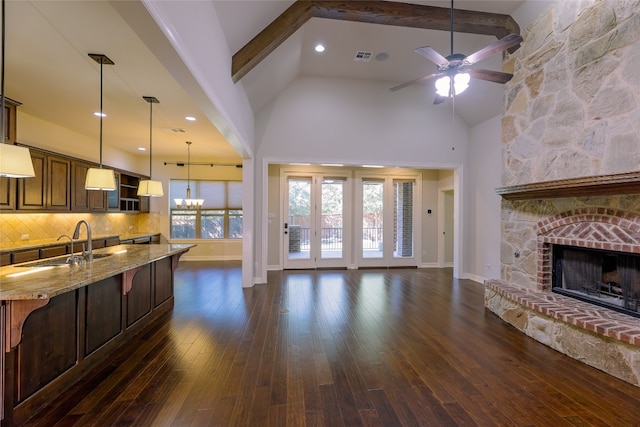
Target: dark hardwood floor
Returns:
[[339, 348]]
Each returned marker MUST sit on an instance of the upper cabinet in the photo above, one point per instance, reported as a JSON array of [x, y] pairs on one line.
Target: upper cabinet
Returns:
[[58, 186], [10, 127], [8, 185]]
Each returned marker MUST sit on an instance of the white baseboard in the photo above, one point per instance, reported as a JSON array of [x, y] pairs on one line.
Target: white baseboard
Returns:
[[210, 258], [474, 277], [274, 267], [429, 265]]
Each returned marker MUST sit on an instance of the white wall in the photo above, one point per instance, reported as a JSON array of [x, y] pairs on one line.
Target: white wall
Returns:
[[328, 120], [483, 204], [48, 136]]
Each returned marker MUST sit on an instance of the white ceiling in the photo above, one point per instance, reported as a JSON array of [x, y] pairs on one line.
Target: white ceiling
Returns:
[[48, 70]]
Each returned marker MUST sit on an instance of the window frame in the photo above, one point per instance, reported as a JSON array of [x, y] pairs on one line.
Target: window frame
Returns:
[[202, 213]]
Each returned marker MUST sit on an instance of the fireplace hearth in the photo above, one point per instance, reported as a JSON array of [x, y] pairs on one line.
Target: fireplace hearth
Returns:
[[608, 279]]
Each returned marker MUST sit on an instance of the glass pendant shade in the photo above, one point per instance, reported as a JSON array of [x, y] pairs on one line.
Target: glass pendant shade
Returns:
[[460, 84], [100, 179], [15, 162], [150, 188]]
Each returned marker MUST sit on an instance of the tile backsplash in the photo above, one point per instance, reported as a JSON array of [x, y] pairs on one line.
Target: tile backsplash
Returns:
[[15, 228]]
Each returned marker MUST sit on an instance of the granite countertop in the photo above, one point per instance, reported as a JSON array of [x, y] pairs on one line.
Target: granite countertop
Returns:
[[22, 283], [37, 244]]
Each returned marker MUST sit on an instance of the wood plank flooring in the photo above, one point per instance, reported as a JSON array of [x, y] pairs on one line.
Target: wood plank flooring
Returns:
[[338, 348]]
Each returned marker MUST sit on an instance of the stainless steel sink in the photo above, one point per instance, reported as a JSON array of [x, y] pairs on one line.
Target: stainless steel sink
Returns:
[[53, 262]]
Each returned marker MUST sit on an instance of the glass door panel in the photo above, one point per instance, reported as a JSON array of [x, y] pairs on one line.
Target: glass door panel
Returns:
[[372, 218], [332, 218], [298, 218]]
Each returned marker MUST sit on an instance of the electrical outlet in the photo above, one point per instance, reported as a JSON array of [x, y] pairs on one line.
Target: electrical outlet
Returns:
[[25, 237]]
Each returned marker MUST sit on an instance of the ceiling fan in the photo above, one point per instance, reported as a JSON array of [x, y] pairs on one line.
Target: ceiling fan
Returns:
[[454, 71]]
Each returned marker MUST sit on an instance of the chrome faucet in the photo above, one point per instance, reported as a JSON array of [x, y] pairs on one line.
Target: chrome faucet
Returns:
[[72, 259], [76, 234]]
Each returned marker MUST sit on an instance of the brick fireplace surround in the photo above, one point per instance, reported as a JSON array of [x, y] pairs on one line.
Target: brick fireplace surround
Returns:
[[602, 338]]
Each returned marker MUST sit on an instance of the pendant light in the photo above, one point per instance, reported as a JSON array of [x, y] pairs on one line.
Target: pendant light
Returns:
[[148, 187], [98, 178], [15, 161], [453, 83], [188, 202]]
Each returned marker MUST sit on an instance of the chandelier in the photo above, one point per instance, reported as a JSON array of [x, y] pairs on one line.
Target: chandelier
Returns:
[[188, 202]]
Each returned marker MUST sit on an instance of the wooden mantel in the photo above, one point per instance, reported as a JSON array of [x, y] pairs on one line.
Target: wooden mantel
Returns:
[[623, 183]]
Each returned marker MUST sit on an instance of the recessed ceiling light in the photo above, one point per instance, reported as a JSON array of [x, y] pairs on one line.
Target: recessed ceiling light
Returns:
[[319, 48], [98, 114], [300, 164], [142, 149], [190, 118], [372, 166], [331, 164], [382, 56]]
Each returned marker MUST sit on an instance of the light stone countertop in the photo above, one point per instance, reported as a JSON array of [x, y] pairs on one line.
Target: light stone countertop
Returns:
[[22, 283]]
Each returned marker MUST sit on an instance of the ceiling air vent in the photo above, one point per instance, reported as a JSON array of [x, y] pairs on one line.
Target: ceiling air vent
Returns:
[[174, 130], [362, 56]]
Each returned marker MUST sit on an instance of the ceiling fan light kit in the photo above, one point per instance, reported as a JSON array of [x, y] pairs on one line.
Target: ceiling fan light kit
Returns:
[[454, 71]]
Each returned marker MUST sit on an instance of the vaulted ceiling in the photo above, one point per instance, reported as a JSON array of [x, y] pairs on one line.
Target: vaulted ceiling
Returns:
[[48, 70]]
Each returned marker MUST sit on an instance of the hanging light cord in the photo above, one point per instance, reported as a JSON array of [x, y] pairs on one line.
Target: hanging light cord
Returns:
[[188, 169], [451, 17], [101, 114], [150, 136]]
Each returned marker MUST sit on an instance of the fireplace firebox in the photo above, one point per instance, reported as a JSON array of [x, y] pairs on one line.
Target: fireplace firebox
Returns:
[[606, 278]]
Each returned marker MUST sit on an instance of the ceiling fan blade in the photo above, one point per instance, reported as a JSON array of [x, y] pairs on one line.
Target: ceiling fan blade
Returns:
[[439, 99], [429, 53], [489, 75], [423, 78], [495, 47]]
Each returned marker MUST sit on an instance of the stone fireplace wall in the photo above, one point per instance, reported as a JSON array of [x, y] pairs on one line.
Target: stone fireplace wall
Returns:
[[572, 110]]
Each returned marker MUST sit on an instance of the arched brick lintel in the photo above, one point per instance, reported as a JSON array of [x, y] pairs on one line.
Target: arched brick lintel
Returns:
[[622, 219]]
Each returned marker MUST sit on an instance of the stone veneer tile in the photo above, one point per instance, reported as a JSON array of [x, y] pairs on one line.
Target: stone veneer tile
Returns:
[[42, 226]]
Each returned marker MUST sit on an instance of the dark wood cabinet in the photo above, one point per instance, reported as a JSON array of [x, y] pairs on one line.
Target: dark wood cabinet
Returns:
[[7, 193], [59, 186], [32, 192], [10, 122], [139, 297], [79, 195], [62, 341], [129, 200], [58, 189], [25, 256], [103, 313], [81, 198]]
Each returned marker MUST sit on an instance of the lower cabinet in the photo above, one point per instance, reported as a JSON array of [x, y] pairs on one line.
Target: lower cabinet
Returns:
[[48, 346], [139, 297], [64, 339], [103, 313]]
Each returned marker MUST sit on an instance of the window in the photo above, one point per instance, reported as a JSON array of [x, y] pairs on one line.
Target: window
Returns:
[[220, 216]]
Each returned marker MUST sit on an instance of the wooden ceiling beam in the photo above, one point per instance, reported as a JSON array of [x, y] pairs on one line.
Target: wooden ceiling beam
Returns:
[[373, 12]]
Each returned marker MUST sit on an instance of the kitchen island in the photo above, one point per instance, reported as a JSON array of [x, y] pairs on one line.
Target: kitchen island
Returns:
[[57, 321]]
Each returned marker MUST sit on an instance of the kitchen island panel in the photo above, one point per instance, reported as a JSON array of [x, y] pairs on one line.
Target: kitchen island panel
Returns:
[[139, 297], [103, 312], [48, 347]]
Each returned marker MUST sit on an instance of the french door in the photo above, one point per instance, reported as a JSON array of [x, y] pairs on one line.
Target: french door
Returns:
[[315, 227], [387, 220]]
